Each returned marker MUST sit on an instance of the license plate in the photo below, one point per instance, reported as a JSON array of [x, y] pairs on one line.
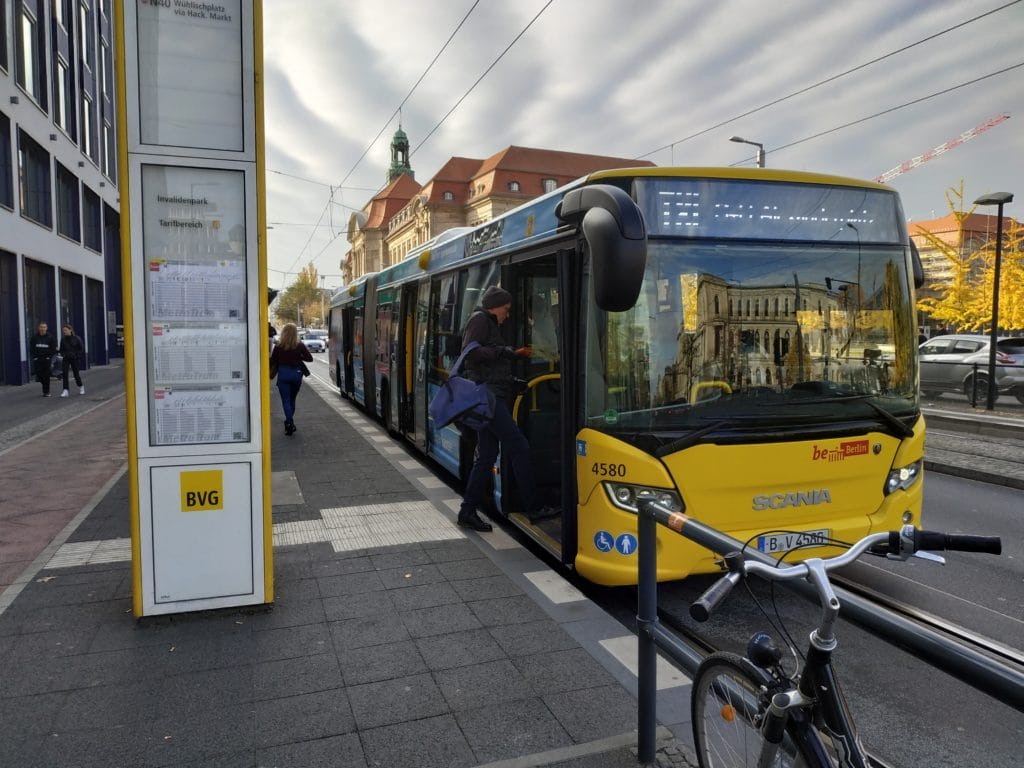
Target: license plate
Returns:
[[783, 542]]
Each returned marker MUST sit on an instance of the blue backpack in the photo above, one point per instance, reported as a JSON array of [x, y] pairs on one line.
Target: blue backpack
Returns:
[[464, 402]]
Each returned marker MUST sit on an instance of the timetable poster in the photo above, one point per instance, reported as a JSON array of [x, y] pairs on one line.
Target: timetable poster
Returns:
[[187, 416], [195, 273]]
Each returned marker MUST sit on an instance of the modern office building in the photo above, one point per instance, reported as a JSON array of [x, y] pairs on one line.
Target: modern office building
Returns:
[[59, 220]]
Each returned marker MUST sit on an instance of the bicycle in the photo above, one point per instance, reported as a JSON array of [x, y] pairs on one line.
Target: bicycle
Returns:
[[748, 711]]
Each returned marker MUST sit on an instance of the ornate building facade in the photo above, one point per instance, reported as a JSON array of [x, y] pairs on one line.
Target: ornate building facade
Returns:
[[464, 192]]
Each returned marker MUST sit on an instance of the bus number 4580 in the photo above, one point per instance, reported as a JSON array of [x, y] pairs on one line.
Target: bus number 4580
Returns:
[[608, 470]]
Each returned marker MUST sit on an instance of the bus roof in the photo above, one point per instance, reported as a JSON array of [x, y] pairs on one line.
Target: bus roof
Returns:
[[753, 174], [536, 220]]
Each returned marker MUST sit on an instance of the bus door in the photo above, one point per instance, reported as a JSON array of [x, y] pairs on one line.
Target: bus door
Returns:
[[405, 364], [537, 409], [366, 376]]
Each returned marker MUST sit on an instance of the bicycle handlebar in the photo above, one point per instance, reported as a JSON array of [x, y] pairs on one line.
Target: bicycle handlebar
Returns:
[[897, 544]]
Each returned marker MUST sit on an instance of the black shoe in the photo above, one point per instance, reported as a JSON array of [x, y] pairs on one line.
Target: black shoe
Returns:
[[544, 513], [289, 428], [474, 521]]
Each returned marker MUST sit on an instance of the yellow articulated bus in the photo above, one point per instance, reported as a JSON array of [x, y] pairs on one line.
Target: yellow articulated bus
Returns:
[[739, 344]]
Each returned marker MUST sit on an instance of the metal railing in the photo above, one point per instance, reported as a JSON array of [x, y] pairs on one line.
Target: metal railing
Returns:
[[1000, 681]]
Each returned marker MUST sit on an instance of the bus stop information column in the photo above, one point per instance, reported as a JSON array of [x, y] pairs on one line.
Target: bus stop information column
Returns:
[[192, 210]]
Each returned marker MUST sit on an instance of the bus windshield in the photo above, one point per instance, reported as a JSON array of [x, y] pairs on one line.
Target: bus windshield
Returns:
[[764, 333]]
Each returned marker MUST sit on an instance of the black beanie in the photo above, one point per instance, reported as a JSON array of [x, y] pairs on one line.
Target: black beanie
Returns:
[[495, 297]]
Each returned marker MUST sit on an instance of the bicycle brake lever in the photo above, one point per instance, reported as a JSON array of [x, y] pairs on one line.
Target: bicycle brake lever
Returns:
[[930, 556]]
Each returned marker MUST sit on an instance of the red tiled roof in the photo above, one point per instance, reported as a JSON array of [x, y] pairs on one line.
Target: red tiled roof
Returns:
[[390, 201], [553, 162]]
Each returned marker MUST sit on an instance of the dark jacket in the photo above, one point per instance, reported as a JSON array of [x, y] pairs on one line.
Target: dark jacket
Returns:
[[71, 348], [42, 346], [491, 362], [292, 358]]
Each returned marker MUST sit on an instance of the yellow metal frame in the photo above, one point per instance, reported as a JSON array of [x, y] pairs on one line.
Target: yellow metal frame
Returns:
[[261, 229], [127, 306]]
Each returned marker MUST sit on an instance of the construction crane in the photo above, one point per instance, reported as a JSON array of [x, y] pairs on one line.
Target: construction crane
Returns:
[[909, 165]]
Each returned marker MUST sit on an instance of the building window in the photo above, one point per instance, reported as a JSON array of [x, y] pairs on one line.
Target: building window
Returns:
[[109, 161], [3, 36], [6, 164], [92, 222], [69, 219], [548, 185], [31, 63], [513, 186], [88, 127], [106, 70], [34, 177], [448, 196], [86, 35], [64, 106]]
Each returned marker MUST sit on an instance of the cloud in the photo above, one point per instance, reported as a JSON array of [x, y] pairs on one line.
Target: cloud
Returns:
[[608, 77]]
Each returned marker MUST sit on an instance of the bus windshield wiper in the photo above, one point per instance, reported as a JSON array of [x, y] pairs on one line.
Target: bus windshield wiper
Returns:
[[693, 437], [884, 416]]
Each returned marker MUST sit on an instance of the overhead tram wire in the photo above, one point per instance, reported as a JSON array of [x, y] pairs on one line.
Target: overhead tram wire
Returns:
[[485, 73], [411, 91], [384, 127], [827, 80], [457, 103], [893, 109]]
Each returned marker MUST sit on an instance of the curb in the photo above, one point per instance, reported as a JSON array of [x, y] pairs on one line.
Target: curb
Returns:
[[974, 474]]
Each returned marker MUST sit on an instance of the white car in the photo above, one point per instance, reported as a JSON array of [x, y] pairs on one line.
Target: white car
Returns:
[[314, 342]]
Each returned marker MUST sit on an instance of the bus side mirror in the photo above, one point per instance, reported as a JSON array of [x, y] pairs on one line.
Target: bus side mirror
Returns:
[[613, 228], [918, 267]]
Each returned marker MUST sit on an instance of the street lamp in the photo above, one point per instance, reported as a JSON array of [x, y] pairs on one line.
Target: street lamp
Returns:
[[1000, 199], [760, 148]]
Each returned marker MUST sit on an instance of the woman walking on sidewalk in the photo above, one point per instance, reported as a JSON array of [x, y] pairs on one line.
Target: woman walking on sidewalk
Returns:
[[290, 356], [73, 351]]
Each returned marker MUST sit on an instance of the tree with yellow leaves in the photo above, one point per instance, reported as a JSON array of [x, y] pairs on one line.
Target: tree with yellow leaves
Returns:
[[301, 302], [964, 301]]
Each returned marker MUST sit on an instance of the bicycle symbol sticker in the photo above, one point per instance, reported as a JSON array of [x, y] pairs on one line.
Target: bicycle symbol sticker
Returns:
[[603, 541], [626, 544]]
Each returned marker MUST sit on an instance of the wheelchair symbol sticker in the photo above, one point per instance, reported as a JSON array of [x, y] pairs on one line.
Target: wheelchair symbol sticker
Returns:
[[603, 541], [626, 544]]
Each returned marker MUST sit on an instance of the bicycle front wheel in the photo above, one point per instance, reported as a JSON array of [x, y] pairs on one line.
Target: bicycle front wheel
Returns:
[[727, 705]]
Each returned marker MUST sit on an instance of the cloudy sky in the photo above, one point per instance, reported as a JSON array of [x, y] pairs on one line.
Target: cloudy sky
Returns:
[[665, 80]]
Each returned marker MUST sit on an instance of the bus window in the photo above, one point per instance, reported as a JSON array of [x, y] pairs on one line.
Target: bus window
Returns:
[[541, 330], [478, 279], [444, 329]]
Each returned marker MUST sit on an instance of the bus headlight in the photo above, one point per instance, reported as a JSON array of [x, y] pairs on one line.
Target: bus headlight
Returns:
[[627, 497], [904, 477]]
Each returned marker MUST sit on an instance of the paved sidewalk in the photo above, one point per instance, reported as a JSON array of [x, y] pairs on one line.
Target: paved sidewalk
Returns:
[[414, 644], [441, 649]]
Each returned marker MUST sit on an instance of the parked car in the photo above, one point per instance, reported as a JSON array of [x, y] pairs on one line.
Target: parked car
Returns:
[[951, 364], [314, 341]]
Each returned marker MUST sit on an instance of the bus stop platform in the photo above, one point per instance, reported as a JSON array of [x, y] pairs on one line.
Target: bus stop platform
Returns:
[[396, 639]]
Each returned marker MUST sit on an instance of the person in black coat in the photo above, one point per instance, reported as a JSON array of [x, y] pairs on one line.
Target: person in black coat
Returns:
[[491, 364], [290, 356], [41, 348], [73, 351]]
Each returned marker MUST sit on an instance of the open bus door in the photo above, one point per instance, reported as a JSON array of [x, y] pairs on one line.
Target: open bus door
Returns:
[[538, 309], [404, 383], [347, 383]]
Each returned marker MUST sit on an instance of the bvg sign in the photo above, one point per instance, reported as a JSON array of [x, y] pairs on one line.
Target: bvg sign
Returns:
[[202, 491]]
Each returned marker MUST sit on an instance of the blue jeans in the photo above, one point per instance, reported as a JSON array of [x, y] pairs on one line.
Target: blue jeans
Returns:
[[504, 431], [289, 381]]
